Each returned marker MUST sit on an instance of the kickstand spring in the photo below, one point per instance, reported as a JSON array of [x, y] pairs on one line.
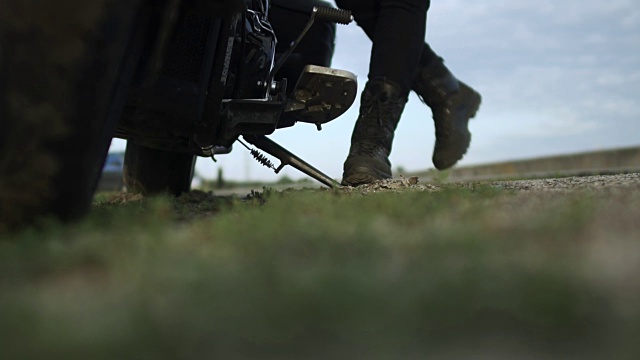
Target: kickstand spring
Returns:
[[259, 157], [286, 158]]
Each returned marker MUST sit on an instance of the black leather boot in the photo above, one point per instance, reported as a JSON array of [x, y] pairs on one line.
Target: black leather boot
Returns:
[[381, 105], [453, 104]]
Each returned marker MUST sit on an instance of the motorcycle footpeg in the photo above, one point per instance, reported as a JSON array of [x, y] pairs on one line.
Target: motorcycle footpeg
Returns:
[[321, 94]]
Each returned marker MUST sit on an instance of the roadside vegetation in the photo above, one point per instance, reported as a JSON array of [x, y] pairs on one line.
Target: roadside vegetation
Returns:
[[396, 272]]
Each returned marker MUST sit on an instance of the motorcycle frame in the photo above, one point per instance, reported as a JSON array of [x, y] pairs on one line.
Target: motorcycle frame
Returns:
[[176, 106]]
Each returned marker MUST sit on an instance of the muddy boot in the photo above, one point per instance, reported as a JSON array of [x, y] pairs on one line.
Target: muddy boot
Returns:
[[453, 103], [382, 103]]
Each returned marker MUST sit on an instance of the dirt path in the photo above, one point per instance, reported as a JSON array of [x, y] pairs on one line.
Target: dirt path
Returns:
[[599, 182]]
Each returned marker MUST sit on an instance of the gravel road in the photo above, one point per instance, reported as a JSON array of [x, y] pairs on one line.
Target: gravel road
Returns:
[[598, 182], [574, 183], [566, 184]]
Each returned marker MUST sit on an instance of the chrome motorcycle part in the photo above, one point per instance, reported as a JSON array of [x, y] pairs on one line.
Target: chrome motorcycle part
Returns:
[[339, 16], [250, 117], [322, 94]]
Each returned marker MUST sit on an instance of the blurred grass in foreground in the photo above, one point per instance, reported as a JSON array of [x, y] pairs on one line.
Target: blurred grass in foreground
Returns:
[[457, 274]]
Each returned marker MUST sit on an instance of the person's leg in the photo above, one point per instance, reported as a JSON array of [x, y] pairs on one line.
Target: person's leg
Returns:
[[452, 102], [398, 40], [381, 106], [397, 29], [394, 60]]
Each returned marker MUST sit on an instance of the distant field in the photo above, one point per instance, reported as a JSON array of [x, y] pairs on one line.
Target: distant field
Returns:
[[520, 270], [610, 161]]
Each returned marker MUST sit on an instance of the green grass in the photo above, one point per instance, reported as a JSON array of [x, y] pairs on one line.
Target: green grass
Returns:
[[322, 275]]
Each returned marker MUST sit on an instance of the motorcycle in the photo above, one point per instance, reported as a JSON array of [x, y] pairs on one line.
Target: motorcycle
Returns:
[[176, 78]]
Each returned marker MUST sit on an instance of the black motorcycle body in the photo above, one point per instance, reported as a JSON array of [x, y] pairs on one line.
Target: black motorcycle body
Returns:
[[207, 76], [176, 78]]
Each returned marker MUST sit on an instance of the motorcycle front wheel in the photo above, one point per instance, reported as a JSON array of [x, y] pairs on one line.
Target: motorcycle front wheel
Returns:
[[61, 76]]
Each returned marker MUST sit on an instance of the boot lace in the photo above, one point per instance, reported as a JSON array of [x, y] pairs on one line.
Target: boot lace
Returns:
[[378, 120]]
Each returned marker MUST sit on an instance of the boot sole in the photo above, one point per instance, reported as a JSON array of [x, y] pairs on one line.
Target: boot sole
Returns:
[[362, 175]]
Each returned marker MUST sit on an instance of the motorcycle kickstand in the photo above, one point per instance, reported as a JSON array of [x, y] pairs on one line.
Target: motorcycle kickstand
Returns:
[[287, 158]]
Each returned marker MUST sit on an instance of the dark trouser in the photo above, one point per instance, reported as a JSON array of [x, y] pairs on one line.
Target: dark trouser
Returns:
[[397, 29], [288, 19]]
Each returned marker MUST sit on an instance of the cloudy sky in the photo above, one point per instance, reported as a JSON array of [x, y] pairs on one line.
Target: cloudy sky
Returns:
[[556, 77]]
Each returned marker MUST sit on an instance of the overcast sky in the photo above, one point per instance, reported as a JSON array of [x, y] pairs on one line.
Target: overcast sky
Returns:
[[556, 77]]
